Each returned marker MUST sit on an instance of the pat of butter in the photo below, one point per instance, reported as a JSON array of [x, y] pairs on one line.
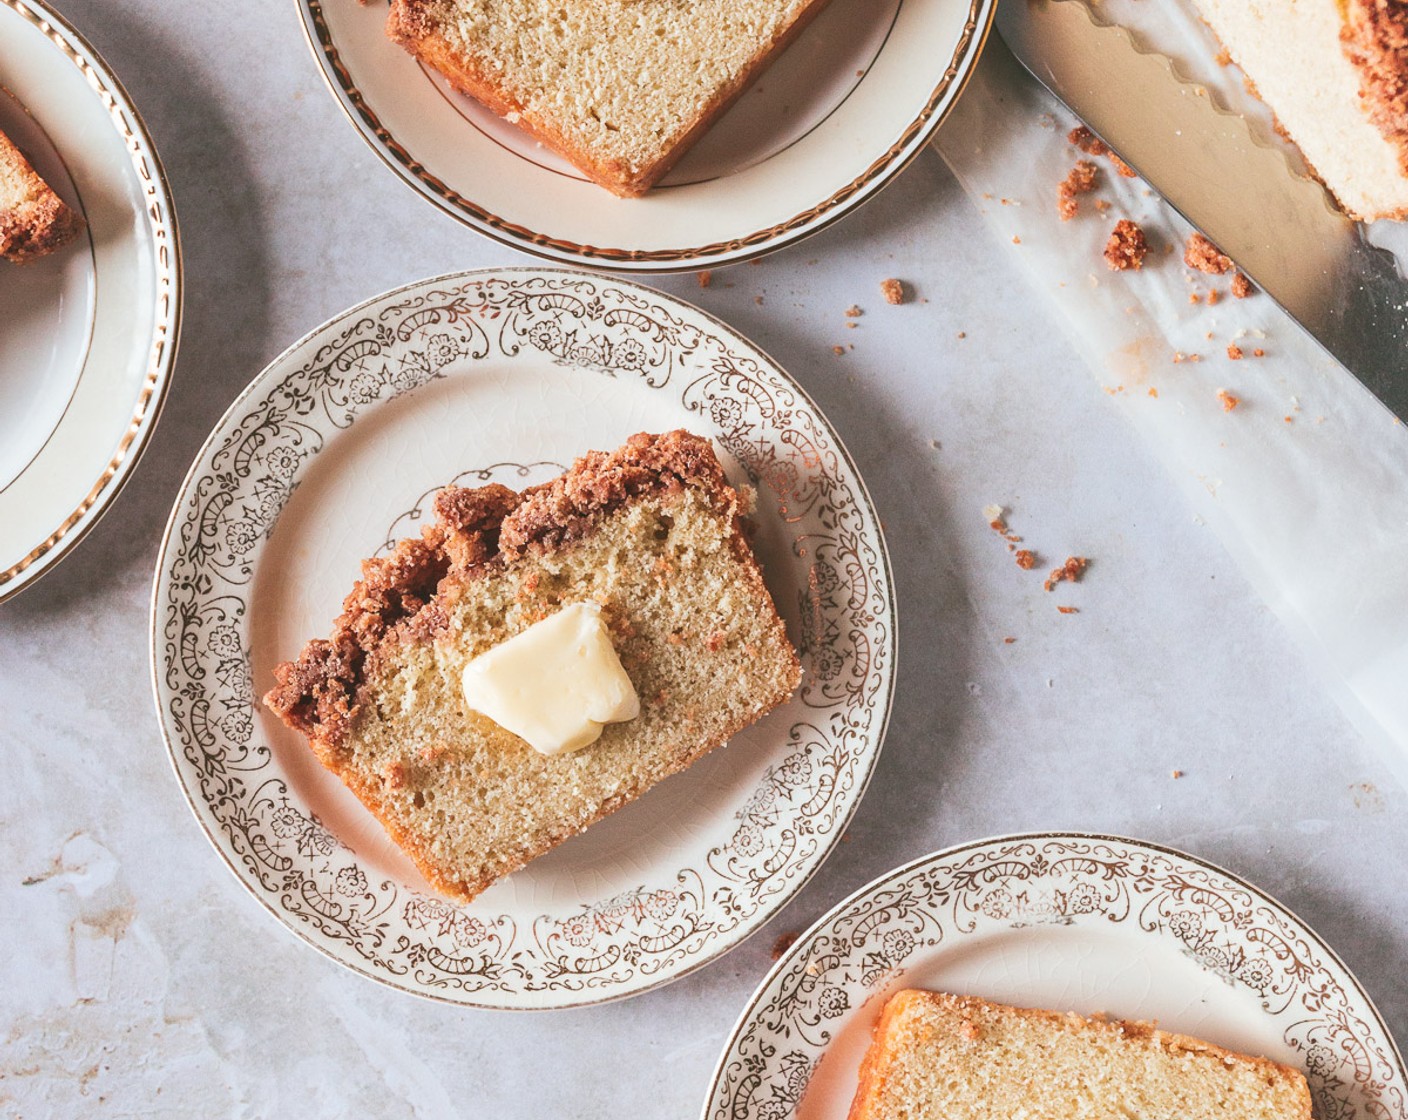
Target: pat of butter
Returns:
[[556, 684]]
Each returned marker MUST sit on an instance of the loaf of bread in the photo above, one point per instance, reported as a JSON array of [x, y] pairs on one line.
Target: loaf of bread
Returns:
[[946, 1057], [621, 88], [652, 534], [34, 221]]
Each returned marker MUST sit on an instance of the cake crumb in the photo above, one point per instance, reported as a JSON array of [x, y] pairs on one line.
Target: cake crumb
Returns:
[[705, 278], [1258, 353], [1213, 296], [1222, 58], [894, 291], [1026, 559], [1126, 247], [1234, 352], [854, 312], [1177, 774], [1069, 610], [1241, 286], [838, 350], [783, 943], [1229, 402], [962, 334], [1081, 179], [1123, 168], [1070, 571], [1203, 255], [758, 300], [1153, 392], [1008, 641], [1087, 141], [1016, 240]]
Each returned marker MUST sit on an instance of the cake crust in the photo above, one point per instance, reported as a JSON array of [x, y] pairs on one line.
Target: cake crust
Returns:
[[1375, 36]]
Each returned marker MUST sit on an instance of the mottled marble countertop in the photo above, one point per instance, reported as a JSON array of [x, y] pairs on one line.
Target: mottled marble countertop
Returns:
[[139, 978]]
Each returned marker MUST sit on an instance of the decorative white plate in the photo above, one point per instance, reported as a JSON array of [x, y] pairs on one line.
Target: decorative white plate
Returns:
[[833, 119], [88, 334], [1071, 922], [334, 451]]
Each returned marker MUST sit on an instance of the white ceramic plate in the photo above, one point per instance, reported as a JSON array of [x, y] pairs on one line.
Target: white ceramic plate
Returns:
[[334, 451], [1070, 922], [88, 334], [826, 126]]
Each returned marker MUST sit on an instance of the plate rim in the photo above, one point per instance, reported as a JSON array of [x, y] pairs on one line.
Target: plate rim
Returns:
[[842, 201], [154, 665], [917, 863], [166, 332]]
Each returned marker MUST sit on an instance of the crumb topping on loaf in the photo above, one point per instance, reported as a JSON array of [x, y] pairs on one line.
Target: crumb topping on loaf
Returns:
[[34, 221], [475, 530], [1375, 36]]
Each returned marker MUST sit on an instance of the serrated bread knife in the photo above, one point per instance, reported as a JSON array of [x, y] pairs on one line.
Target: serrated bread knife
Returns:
[[1280, 228]]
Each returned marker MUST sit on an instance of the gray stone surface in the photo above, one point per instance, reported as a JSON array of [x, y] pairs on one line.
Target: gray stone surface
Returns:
[[139, 978]]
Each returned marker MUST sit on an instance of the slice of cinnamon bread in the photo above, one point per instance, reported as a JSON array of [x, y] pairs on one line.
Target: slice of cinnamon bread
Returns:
[[945, 1057], [34, 221], [650, 533], [621, 88]]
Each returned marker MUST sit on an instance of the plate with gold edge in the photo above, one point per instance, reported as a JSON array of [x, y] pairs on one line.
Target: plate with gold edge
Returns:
[[832, 120], [1069, 922], [88, 333], [335, 451]]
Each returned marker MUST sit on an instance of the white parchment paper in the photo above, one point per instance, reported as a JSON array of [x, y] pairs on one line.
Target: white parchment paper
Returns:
[[1306, 479]]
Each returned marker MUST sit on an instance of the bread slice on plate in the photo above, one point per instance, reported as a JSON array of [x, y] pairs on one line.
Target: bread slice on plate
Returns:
[[947, 1057], [649, 537], [620, 88], [34, 221]]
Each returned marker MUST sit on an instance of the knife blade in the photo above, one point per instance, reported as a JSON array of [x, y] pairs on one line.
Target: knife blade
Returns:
[[1281, 228]]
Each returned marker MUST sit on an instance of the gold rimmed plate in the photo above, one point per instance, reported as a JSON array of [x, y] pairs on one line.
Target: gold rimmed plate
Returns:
[[834, 118], [88, 334], [335, 451], [1072, 922]]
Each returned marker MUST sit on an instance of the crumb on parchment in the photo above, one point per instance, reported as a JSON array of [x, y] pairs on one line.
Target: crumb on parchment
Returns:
[[1126, 247], [1081, 179], [894, 291], [1070, 571], [705, 278], [1229, 402], [1241, 286], [1202, 254]]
